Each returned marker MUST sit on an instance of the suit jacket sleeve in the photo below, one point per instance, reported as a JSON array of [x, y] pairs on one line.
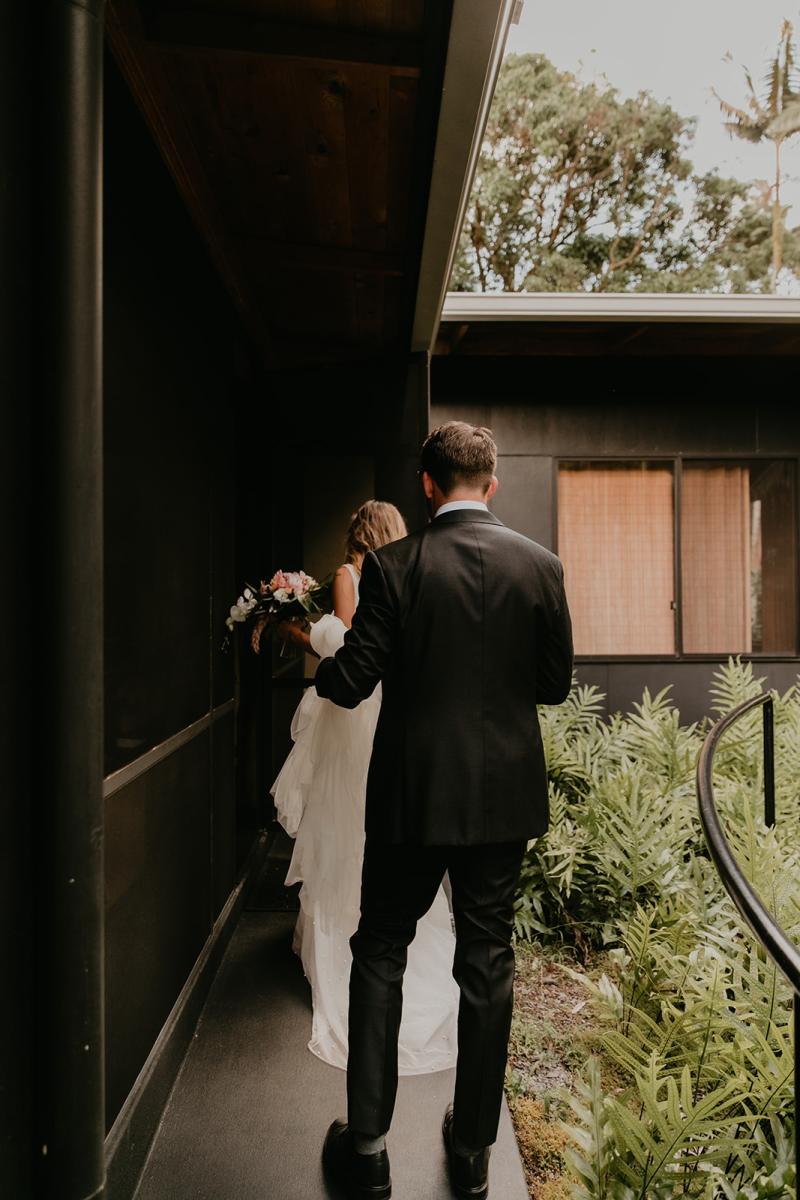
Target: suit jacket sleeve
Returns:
[[353, 673], [554, 670]]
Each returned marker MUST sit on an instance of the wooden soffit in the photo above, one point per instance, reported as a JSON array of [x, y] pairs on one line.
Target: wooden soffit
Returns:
[[300, 134]]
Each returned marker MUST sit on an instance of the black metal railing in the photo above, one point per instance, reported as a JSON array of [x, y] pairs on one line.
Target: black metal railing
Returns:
[[766, 929]]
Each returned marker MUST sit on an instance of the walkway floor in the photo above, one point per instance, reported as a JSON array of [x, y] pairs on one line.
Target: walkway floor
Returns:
[[250, 1108]]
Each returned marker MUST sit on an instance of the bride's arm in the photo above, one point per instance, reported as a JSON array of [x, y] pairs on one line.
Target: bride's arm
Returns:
[[344, 607], [354, 672], [344, 596], [291, 632]]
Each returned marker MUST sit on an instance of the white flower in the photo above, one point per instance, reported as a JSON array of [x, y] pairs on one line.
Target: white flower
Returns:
[[280, 595], [241, 609]]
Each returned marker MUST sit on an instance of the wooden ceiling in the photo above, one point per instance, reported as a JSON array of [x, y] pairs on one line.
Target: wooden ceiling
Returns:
[[300, 133], [577, 339]]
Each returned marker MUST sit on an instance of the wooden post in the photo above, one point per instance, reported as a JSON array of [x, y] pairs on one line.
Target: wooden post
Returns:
[[68, 750]]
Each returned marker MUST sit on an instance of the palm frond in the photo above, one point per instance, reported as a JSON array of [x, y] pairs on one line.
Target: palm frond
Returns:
[[755, 105], [773, 84], [746, 133], [736, 114], [786, 123]]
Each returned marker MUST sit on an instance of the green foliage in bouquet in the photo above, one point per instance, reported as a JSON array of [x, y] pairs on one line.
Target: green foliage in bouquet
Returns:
[[691, 1091]]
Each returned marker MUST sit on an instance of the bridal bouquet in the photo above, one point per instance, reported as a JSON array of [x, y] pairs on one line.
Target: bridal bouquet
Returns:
[[287, 596]]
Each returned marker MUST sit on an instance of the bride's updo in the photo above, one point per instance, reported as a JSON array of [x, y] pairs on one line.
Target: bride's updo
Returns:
[[373, 525]]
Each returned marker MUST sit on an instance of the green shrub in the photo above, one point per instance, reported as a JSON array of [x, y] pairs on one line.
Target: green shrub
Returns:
[[694, 1018]]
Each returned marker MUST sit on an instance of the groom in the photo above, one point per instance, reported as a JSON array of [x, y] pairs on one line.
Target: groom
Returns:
[[466, 625]]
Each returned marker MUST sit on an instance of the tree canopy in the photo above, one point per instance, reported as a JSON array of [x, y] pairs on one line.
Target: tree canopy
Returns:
[[580, 189]]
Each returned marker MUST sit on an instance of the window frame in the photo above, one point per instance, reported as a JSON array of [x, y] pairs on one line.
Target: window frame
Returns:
[[677, 461]]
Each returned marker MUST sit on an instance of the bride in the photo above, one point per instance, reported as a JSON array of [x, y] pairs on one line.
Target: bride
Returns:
[[320, 796]]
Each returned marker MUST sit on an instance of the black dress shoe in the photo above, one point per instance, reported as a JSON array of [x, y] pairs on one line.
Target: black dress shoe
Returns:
[[469, 1173], [361, 1176]]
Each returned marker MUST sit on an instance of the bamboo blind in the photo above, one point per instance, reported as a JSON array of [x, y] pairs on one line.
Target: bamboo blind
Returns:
[[616, 540], [716, 560]]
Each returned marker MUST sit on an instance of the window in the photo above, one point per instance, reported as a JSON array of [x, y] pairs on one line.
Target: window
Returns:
[[616, 530], [731, 588]]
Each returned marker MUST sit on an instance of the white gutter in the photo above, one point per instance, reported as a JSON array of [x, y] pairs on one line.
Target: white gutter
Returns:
[[466, 307], [478, 31]]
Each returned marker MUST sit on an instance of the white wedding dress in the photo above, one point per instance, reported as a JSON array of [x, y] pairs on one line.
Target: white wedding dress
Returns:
[[320, 796]]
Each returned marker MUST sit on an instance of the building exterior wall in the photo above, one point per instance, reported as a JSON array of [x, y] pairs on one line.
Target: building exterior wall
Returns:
[[544, 410], [342, 436], [170, 549]]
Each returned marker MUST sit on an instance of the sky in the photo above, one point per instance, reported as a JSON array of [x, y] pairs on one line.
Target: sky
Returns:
[[677, 50]]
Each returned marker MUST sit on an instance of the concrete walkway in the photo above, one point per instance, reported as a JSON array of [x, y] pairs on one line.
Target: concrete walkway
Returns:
[[249, 1111]]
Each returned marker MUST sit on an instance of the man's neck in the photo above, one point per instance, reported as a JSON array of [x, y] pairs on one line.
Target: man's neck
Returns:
[[450, 505], [472, 497]]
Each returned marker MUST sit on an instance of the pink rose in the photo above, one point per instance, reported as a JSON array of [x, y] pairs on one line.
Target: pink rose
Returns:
[[294, 581]]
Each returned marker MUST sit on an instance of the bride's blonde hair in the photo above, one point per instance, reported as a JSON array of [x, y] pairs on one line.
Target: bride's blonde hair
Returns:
[[371, 526]]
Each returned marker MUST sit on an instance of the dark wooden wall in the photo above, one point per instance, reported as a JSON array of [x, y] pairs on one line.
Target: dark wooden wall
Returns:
[[216, 472], [339, 436], [543, 409], [175, 388]]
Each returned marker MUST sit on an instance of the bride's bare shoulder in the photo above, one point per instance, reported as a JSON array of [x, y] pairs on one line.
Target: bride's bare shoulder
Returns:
[[344, 594], [344, 582]]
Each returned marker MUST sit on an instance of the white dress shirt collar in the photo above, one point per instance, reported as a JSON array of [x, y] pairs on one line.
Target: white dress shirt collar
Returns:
[[453, 505]]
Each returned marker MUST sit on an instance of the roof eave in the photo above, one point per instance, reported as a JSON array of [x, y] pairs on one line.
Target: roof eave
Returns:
[[469, 307], [478, 32]]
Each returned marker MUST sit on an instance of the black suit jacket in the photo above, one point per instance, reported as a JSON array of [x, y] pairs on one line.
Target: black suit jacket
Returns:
[[466, 625]]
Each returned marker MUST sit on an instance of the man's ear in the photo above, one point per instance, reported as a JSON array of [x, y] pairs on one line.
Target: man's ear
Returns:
[[492, 488], [427, 485]]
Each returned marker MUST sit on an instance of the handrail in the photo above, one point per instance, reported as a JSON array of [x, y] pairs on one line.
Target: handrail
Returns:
[[783, 952]]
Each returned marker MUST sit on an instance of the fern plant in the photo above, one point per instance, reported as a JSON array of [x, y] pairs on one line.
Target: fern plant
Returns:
[[691, 1015]]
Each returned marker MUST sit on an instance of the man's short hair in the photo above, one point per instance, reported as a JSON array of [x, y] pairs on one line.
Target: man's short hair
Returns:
[[459, 454]]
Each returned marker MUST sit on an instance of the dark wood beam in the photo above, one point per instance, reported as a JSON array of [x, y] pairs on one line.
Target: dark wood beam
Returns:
[[787, 342], [197, 31], [610, 339], [309, 257], [308, 350], [630, 335], [450, 337]]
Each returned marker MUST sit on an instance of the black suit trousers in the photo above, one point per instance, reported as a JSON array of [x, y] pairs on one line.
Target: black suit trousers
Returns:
[[399, 884]]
